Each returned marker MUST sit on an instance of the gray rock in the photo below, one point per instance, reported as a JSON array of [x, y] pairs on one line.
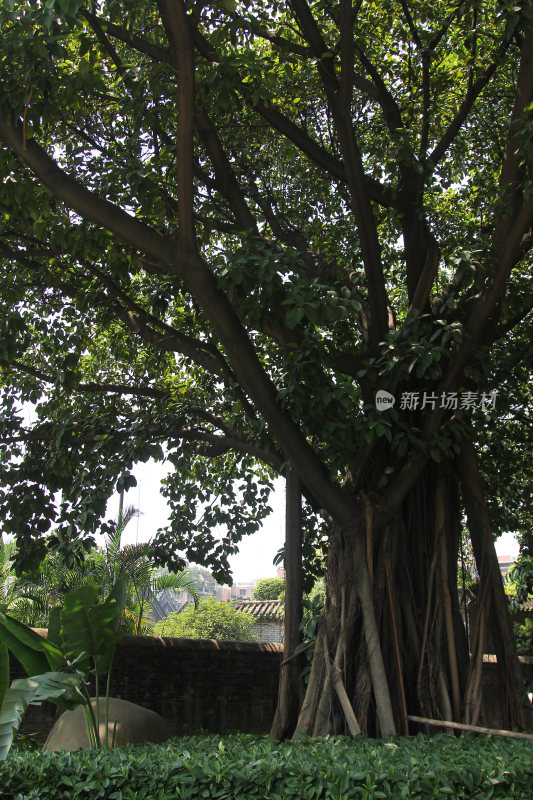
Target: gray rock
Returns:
[[135, 724]]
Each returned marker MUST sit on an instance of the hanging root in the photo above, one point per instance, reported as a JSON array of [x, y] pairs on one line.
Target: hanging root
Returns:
[[474, 686], [396, 645], [440, 533]]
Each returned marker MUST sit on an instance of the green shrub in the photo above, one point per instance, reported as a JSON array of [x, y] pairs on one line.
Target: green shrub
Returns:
[[211, 619], [252, 768], [524, 637], [269, 589]]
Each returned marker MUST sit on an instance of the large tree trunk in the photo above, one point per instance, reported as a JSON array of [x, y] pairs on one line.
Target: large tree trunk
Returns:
[[392, 601]]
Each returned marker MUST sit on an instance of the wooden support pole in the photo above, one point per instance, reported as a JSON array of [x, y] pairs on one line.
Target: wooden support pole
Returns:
[[290, 685], [344, 700], [460, 726]]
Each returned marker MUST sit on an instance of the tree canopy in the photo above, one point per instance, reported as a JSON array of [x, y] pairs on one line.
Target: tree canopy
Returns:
[[258, 236], [269, 589]]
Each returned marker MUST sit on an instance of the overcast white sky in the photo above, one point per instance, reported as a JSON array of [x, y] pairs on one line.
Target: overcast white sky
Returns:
[[256, 554]]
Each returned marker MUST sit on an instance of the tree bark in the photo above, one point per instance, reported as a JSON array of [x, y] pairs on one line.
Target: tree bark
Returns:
[[290, 682], [498, 616], [392, 642]]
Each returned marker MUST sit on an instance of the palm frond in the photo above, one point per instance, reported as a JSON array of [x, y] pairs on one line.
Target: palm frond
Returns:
[[178, 580]]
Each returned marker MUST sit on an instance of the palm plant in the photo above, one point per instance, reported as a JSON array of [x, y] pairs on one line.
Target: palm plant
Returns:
[[12, 592], [37, 594], [7, 579], [135, 563], [41, 591]]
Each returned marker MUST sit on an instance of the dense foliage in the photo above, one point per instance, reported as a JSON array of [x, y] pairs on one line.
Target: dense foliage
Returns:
[[248, 768], [291, 237], [33, 596], [211, 619], [269, 589]]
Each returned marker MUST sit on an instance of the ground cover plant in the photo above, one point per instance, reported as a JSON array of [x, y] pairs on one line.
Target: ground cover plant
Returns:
[[256, 768]]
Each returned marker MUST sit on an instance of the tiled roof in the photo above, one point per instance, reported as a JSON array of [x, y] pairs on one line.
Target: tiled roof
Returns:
[[260, 609], [527, 605]]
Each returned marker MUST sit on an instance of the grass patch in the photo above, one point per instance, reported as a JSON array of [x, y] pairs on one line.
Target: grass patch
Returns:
[[254, 768]]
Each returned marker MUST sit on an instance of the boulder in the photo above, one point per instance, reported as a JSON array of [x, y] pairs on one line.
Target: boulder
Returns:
[[135, 724]]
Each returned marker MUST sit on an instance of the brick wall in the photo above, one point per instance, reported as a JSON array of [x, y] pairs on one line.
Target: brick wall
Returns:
[[195, 684], [219, 687], [269, 630]]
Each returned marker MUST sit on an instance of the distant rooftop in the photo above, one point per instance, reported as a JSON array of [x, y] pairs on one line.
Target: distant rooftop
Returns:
[[260, 609]]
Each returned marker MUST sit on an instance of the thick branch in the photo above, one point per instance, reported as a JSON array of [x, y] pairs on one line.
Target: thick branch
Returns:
[[142, 322], [175, 20], [137, 42], [487, 563], [174, 342], [86, 203], [100, 34], [93, 387], [370, 250], [410, 23], [381, 194], [339, 98], [507, 234], [208, 444], [280, 41], [391, 110], [309, 27], [513, 237], [226, 180]]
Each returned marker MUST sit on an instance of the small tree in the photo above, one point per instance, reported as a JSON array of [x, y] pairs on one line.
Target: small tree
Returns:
[[269, 589], [211, 619]]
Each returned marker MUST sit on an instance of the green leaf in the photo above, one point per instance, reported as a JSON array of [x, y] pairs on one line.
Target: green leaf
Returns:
[[4, 671], [293, 316], [51, 686], [118, 595], [54, 626], [89, 630], [33, 651]]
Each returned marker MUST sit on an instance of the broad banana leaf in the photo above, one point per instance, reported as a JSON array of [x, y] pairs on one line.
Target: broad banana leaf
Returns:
[[4, 672], [51, 686], [54, 626], [119, 595], [89, 630], [36, 654]]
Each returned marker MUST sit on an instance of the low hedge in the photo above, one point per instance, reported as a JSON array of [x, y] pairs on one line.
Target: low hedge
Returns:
[[254, 768]]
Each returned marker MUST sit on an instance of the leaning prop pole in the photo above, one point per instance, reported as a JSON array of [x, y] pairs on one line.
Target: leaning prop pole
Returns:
[[459, 726]]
